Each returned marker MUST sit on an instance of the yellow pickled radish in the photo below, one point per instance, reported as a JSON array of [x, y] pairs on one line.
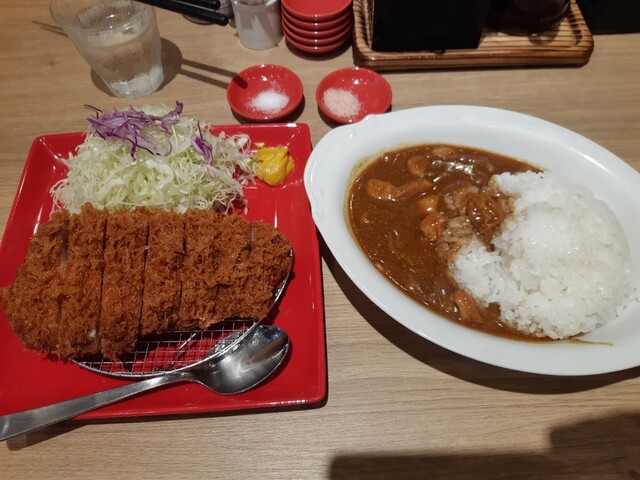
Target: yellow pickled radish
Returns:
[[274, 164]]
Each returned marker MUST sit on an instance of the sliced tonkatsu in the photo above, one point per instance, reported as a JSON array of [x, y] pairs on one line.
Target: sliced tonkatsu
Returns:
[[200, 269], [123, 281], [233, 250], [82, 284], [269, 261], [97, 281], [162, 273], [32, 303]]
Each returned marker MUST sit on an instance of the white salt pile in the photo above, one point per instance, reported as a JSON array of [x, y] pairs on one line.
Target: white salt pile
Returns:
[[561, 264], [341, 102], [269, 102]]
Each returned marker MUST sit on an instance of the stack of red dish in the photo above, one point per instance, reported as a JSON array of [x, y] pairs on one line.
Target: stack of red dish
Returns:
[[317, 27]]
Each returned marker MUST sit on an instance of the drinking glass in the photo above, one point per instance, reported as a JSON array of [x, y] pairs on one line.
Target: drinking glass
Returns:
[[119, 39]]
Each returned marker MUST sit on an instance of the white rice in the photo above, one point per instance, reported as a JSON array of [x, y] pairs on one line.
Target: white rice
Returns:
[[561, 264]]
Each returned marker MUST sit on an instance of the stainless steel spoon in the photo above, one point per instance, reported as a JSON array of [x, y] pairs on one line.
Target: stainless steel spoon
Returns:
[[253, 360]]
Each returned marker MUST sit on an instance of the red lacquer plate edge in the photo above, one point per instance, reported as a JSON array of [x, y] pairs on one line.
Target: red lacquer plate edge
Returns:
[[316, 11], [29, 380]]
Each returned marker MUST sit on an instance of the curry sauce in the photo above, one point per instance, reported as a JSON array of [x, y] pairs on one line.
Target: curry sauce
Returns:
[[411, 209]]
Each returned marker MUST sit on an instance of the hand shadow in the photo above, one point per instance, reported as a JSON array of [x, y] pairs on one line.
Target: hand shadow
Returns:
[[602, 448]]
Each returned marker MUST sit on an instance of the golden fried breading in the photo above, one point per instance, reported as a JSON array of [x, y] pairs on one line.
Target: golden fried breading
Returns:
[[122, 275], [82, 284], [162, 279], [32, 303], [123, 280]]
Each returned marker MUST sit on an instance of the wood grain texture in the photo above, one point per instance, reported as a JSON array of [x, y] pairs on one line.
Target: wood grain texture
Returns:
[[398, 406]]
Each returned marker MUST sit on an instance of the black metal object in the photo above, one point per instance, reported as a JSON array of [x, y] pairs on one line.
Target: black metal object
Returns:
[[611, 16], [414, 25], [524, 17], [200, 9]]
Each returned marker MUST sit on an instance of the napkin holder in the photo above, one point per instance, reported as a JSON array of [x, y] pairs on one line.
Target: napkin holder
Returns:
[[415, 25]]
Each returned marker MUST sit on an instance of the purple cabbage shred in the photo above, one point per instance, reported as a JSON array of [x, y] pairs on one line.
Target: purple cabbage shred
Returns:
[[200, 144], [149, 132]]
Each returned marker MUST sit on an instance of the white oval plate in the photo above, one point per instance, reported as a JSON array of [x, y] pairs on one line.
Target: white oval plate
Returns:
[[612, 347]]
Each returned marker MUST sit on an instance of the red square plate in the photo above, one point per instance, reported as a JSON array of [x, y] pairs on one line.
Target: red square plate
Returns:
[[29, 380]]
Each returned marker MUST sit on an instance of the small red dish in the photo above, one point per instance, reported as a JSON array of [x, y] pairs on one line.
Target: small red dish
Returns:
[[346, 17], [316, 11], [317, 42], [265, 93], [316, 34], [350, 94], [316, 50]]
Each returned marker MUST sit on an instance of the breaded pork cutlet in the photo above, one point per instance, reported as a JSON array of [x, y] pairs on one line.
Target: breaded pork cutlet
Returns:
[[268, 263], [223, 273], [32, 303], [129, 274], [82, 284], [200, 267], [162, 279], [233, 250], [123, 281]]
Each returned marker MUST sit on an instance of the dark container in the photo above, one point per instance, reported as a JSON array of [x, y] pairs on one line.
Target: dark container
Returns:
[[415, 25], [611, 16], [525, 17]]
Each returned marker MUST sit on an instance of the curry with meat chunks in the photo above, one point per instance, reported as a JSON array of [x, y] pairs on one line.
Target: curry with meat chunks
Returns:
[[412, 209]]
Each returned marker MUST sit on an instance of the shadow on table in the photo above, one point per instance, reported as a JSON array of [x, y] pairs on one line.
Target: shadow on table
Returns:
[[457, 365], [598, 449], [50, 27], [171, 58], [174, 64]]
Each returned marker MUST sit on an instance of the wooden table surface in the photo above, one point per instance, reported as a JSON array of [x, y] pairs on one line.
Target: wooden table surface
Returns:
[[397, 405]]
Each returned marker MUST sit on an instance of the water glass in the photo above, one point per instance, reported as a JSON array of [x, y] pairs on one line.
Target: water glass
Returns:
[[118, 38]]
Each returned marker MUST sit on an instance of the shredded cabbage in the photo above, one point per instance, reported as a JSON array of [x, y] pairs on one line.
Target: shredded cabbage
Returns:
[[199, 170]]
